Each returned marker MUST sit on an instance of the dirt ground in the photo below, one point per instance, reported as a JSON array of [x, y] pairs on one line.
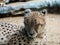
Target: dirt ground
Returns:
[[52, 27]]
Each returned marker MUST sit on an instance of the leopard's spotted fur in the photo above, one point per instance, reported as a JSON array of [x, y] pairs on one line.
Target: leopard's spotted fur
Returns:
[[7, 31]]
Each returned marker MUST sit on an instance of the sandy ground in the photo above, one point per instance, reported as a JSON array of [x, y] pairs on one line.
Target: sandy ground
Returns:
[[52, 27]]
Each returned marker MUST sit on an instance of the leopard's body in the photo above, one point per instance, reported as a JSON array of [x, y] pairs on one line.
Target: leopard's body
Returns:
[[31, 34], [7, 31]]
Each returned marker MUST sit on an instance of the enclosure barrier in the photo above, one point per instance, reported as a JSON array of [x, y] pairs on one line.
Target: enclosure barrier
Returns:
[[37, 5]]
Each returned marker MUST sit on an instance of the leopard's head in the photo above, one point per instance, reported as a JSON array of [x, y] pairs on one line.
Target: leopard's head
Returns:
[[34, 22]]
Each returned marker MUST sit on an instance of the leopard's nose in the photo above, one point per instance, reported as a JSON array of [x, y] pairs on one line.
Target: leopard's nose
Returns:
[[31, 34]]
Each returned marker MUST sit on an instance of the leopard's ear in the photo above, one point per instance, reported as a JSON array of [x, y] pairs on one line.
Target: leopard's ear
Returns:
[[27, 11], [43, 12]]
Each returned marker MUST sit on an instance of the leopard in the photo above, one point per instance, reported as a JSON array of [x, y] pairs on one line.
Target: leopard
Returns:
[[32, 33]]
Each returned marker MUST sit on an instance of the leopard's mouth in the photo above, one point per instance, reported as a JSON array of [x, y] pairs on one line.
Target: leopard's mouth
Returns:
[[32, 34]]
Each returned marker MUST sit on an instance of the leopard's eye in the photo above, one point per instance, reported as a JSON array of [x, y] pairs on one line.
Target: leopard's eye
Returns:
[[38, 24]]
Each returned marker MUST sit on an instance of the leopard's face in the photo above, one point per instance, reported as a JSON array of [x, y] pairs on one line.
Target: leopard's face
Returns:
[[34, 23]]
